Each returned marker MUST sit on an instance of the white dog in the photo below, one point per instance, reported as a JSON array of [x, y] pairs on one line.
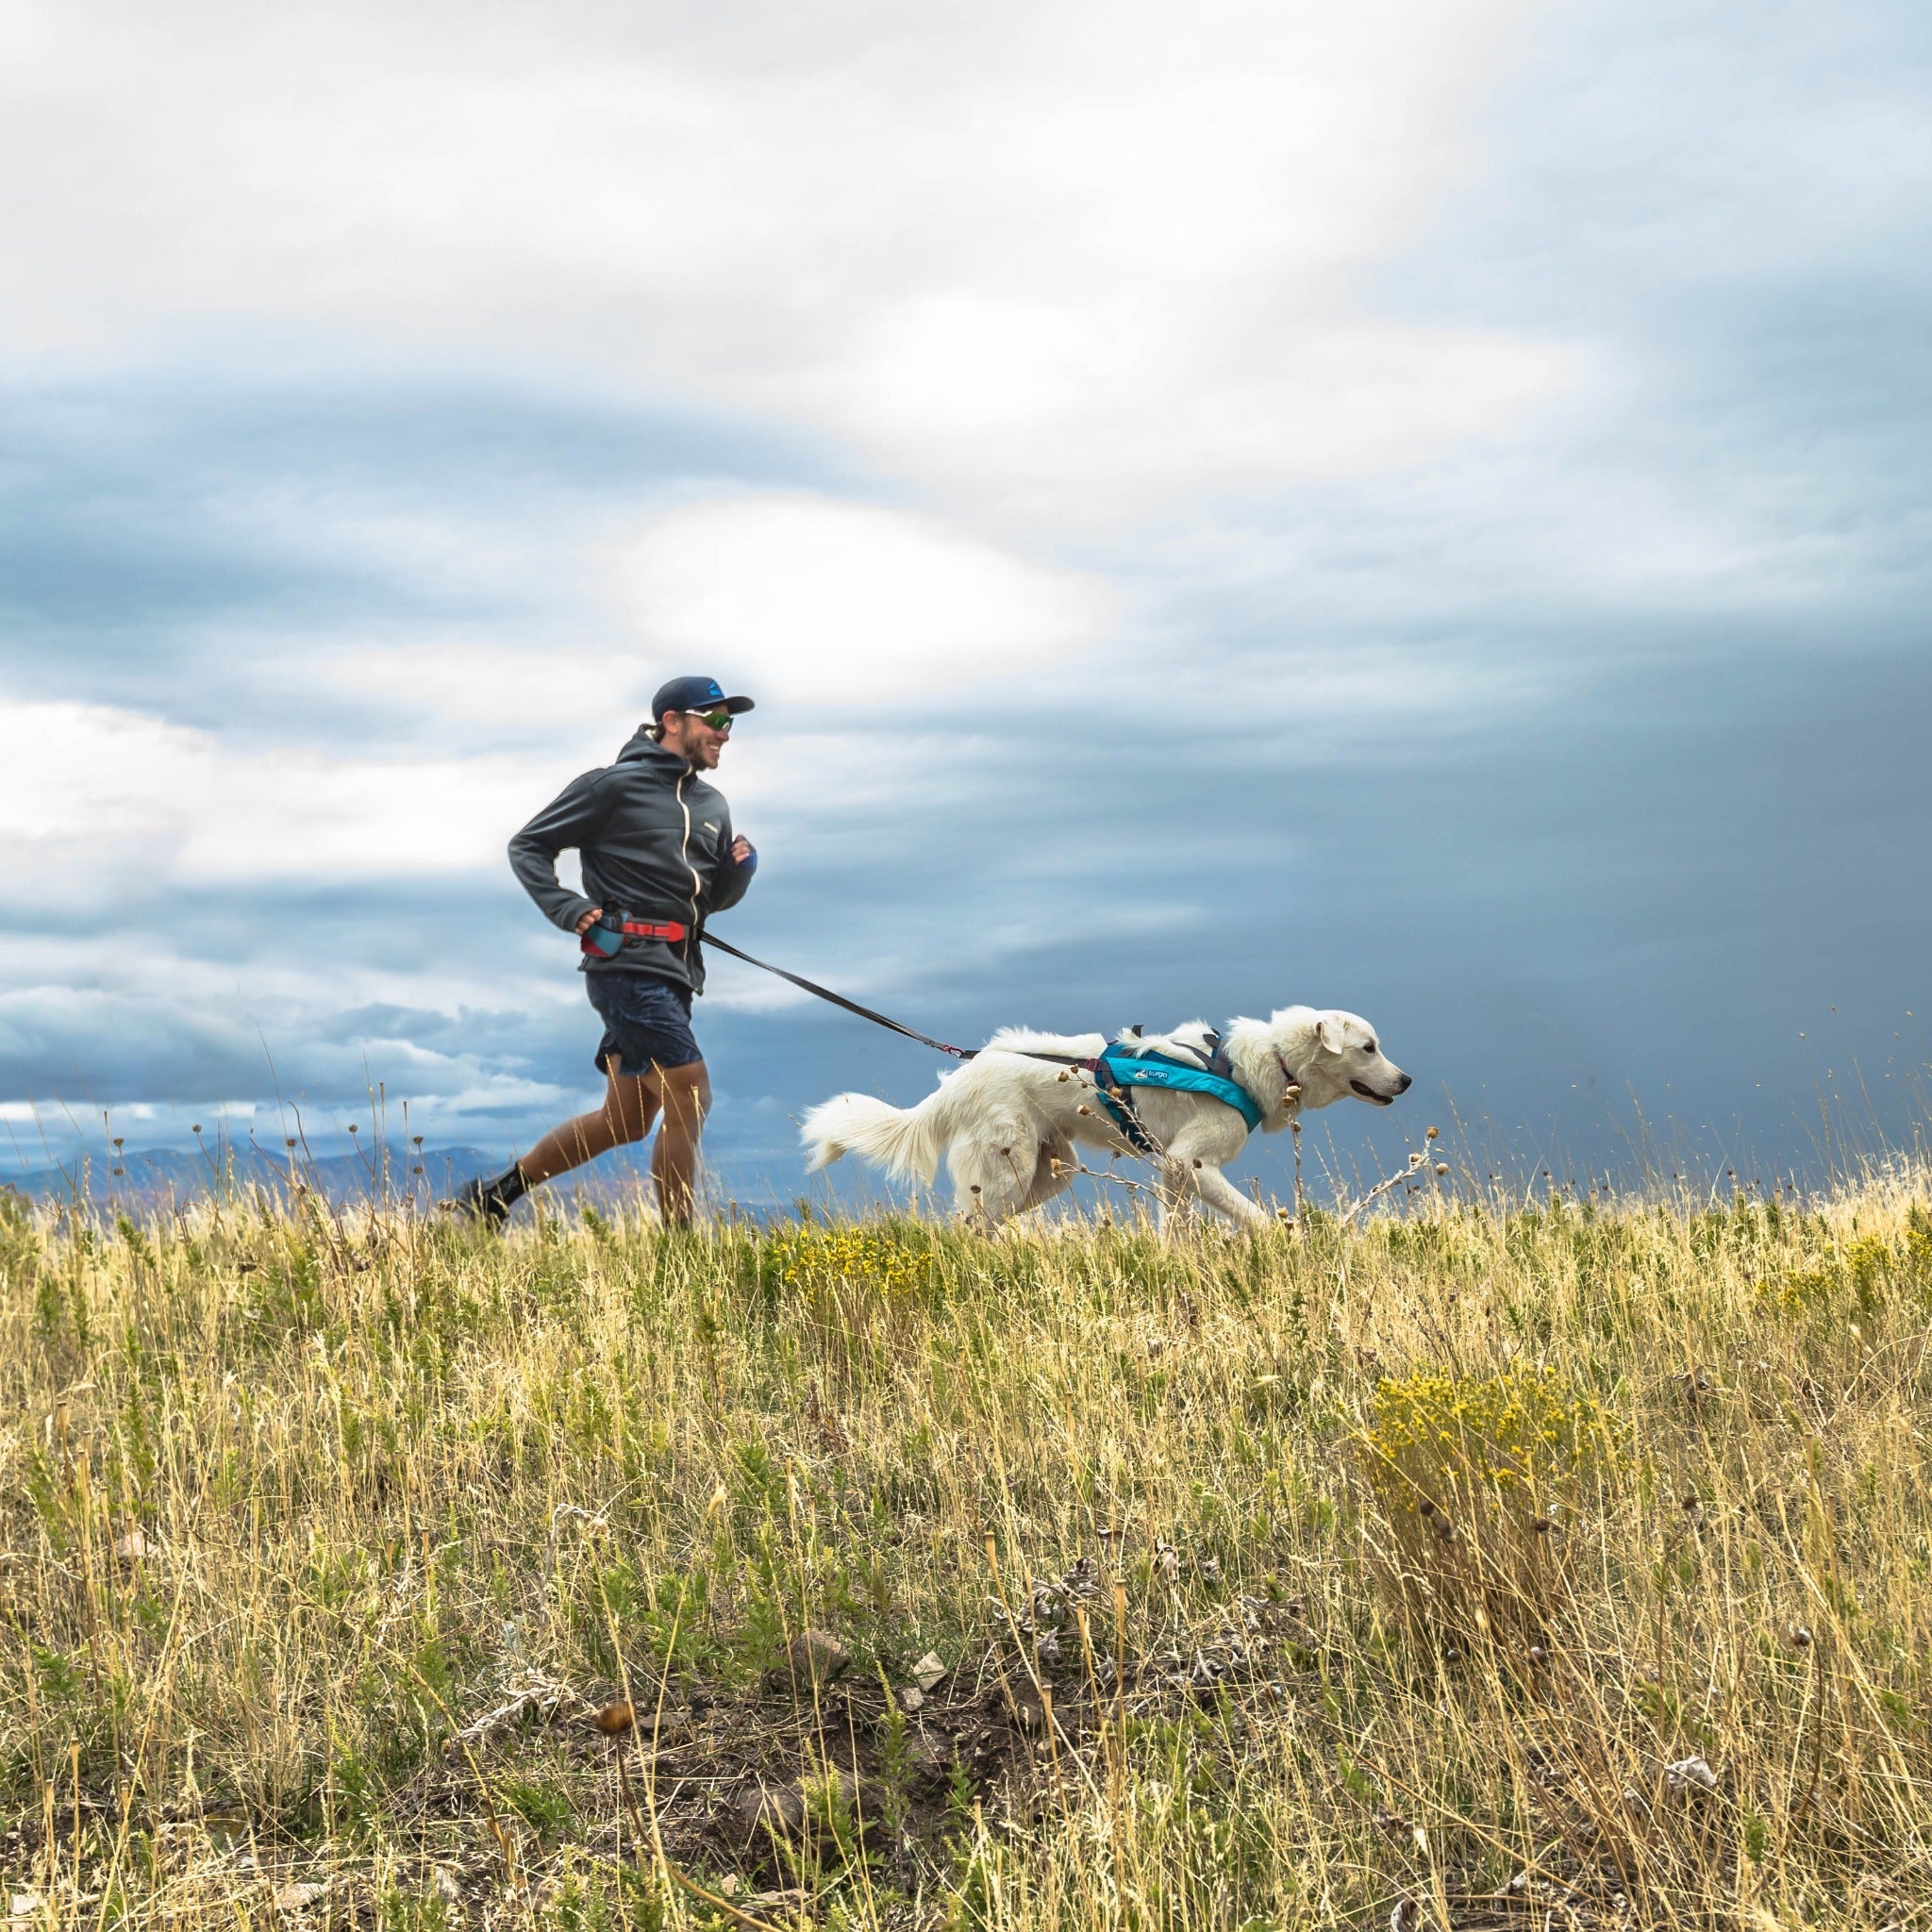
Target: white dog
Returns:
[[1007, 1120]]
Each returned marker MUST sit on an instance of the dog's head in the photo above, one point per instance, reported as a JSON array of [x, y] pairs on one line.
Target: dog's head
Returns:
[[1336, 1055]]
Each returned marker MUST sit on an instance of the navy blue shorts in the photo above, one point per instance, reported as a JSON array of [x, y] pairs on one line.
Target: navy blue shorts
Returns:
[[647, 1023]]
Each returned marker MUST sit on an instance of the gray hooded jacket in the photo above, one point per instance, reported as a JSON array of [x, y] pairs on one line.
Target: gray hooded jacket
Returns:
[[655, 840]]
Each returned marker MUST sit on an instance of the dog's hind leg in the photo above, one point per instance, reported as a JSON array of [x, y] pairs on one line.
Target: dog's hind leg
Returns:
[[1053, 1171], [1173, 1190], [993, 1169]]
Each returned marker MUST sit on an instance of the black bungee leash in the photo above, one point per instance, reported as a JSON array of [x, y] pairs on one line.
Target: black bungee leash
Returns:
[[838, 999]]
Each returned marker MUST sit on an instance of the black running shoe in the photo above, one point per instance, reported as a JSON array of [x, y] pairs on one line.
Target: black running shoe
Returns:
[[480, 1201]]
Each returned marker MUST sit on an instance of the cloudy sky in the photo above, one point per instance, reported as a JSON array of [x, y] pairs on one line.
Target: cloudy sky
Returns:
[[1421, 509]]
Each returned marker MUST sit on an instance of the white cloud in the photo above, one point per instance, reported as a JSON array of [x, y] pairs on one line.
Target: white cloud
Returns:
[[496, 692], [116, 797], [811, 601], [129, 802], [1068, 258]]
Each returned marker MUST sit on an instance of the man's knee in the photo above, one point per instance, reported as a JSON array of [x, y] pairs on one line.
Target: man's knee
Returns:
[[628, 1110], [686, 1092]]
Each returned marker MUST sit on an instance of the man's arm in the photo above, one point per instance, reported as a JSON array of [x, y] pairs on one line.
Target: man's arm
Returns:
[[573, 818], [732, 879]]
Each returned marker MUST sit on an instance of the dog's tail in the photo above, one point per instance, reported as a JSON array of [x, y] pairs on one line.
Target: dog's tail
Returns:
[[905, 1141]]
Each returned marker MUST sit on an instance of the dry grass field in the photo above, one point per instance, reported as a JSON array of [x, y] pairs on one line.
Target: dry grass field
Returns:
[[1565, 1564]]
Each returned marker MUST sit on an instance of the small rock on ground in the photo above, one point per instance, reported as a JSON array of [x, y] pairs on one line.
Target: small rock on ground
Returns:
[[813, 1657], [766, 1810]]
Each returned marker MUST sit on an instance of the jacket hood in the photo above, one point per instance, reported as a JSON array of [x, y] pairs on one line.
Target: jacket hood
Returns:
[[643, 748]]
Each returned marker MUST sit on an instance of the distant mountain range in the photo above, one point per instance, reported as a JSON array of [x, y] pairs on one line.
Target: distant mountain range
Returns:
[[142, 1179], [149, 1175]]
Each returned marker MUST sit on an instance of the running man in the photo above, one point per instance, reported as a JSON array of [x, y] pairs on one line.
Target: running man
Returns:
[[658, 857]]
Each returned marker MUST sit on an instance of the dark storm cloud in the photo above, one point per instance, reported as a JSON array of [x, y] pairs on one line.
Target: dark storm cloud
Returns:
[[1632, 906]]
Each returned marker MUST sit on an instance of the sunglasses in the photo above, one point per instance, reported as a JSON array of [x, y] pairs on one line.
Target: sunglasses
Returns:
[[718, 720]]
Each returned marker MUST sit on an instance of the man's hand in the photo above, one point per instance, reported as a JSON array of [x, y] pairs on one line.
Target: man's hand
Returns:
[[741, 851], [589, 920]]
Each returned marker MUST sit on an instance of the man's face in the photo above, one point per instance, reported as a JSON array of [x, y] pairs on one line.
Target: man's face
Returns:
[[695, 738]]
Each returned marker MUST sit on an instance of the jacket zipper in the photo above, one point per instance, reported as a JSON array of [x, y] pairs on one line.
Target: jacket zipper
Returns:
[[697, 885]]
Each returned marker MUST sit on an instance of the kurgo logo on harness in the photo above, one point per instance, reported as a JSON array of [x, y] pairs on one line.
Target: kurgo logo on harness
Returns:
[[1120, 1070]]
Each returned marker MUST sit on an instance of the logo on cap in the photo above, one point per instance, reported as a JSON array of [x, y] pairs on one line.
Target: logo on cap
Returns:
[[695, 694]]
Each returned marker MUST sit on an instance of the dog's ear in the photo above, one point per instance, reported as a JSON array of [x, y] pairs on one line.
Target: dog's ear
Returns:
[[1334, 1033]]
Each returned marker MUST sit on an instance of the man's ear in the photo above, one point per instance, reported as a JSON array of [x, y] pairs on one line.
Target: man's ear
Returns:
[[1334, 1034]]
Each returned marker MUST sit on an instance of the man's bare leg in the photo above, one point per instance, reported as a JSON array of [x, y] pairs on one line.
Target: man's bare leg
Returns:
[[686, 1096], [629, 1107], [683, 1095]]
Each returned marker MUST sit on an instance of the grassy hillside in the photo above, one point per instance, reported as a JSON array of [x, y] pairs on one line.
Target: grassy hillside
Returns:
[[1554, 1566]]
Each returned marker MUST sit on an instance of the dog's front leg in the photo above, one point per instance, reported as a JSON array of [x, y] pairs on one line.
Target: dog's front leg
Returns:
[[1221, 1193]]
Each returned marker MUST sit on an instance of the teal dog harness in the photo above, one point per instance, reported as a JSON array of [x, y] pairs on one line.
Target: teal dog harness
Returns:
[[1120, 1070]]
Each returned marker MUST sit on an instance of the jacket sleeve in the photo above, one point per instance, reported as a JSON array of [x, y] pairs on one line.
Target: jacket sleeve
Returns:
[[730, 881], [571, 820]]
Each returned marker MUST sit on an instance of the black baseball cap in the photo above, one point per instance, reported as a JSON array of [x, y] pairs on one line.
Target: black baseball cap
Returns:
[[694, 695]]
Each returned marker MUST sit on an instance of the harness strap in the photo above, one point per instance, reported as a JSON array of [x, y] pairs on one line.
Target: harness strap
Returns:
[[1122, 1068], [1118, 1103]]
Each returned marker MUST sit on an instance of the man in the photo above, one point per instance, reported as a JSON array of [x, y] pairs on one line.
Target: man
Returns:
[[659, 856]]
